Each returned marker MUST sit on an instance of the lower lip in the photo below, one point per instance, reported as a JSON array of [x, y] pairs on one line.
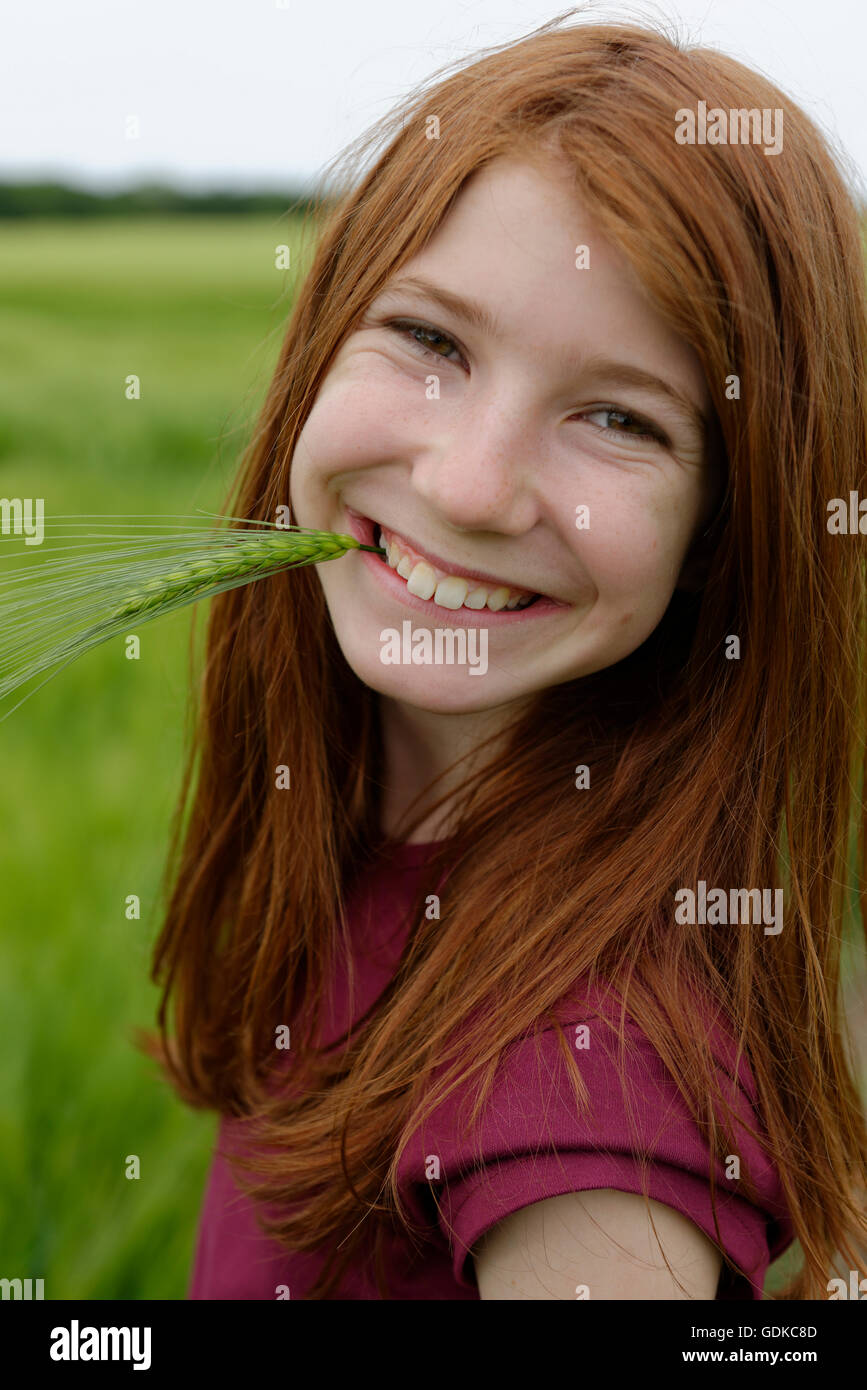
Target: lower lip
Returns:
[[363, 529]]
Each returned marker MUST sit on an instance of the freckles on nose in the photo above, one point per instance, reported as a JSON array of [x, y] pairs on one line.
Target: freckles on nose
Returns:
[[482, 489]]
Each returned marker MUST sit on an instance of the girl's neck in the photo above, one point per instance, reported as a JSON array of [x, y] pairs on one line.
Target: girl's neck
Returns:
[[421, 745]]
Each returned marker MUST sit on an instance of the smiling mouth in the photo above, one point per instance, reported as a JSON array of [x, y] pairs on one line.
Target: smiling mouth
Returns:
[[449, 589]]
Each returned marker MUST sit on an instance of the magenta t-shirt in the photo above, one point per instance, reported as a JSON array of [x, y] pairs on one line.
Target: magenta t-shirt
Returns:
[[534, 1145]]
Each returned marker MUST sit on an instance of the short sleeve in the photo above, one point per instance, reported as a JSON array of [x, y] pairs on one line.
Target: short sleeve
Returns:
[[534, 1143]]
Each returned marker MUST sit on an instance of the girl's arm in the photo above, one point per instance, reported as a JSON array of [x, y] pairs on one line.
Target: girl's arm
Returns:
[[601, 1241]]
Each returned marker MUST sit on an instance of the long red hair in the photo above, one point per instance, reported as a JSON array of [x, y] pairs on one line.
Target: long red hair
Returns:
[[738, 772]]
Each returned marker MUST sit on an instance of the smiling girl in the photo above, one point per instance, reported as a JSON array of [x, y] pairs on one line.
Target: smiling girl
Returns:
[[592, 390]]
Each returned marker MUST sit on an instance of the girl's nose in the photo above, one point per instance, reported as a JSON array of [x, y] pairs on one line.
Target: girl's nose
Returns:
[[480, 475]]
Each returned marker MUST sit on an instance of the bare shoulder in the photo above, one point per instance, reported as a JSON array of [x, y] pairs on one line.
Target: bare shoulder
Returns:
[[611, 1244]]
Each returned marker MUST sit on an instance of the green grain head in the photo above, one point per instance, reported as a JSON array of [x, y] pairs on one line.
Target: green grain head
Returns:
[[239, 560]]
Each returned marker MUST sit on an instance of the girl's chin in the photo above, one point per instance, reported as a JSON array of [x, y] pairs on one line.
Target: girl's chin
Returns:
[[437, 665], [438, 686]]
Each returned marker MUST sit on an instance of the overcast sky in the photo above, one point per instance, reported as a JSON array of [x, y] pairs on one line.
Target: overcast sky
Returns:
[[247, 93]]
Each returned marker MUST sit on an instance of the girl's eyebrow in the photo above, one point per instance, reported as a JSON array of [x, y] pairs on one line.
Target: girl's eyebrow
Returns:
[[467, 309], [616, 373], [624, 374]]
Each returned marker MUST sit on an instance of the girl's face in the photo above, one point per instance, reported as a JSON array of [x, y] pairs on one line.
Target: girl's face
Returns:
[[517, 424]]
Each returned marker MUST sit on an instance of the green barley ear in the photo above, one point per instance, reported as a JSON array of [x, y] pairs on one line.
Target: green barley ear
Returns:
[[93, 579]]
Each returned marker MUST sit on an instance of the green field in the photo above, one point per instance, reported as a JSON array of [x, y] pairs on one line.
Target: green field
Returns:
[[91, 764]]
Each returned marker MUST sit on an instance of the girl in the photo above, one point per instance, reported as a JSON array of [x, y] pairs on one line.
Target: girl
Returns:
[[515, 973]]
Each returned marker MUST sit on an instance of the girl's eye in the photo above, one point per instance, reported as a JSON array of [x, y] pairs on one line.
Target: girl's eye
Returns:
[[432, 343], [428, 340], [625, 423]]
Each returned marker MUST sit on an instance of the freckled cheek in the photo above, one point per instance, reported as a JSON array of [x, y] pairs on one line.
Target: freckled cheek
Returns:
[[348, 430], [629, 566]]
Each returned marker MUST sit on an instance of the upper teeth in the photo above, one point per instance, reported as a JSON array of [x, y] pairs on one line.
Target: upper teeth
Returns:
[[448, 590]]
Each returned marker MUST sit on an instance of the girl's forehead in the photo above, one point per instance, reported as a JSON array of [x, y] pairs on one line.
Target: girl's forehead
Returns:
[[534, 269], [508, 189], [520, 232]]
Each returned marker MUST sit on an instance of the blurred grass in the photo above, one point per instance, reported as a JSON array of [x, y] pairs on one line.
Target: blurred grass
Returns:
[[91, 764]]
